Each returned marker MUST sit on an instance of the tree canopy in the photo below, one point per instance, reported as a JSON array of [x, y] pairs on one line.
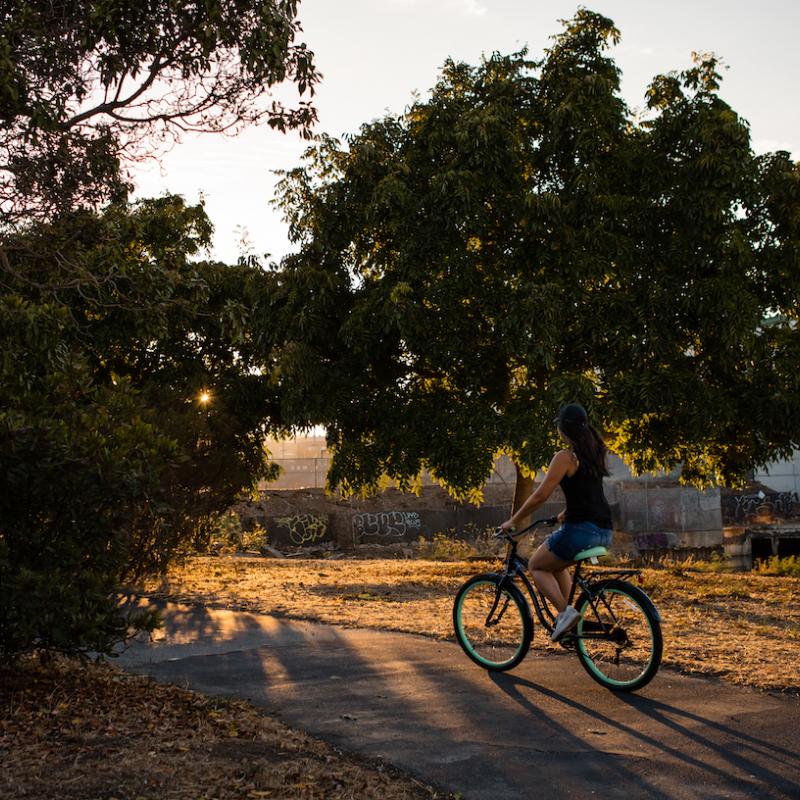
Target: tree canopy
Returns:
[[522, 238], [112, 326], [110, 463]]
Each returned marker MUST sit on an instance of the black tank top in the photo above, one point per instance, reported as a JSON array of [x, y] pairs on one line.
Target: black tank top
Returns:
[[585, 499]]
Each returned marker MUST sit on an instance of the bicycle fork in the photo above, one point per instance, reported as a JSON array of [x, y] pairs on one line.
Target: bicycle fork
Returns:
[[490, 623]]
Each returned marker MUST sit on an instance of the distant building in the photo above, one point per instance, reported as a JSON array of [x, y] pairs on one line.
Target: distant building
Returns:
[[297, 447]]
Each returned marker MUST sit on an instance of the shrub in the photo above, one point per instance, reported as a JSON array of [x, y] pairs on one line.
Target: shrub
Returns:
[[109, 465], [444, 547], [228, 536], [788, 566]]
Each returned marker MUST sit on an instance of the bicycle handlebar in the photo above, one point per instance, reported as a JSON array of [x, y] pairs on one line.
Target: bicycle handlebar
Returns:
[[500, 533]]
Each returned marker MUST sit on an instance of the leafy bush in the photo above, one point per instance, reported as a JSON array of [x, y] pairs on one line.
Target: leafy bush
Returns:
[[788, 566], [225, 535], [228, 536], [109, 464], [254, 538], [110, 326]]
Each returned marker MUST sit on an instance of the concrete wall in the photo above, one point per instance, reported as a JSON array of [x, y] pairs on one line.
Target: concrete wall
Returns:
[[385, 527], [296, 529], [349, 527], [782, 476], [658, 514], [649, 513]]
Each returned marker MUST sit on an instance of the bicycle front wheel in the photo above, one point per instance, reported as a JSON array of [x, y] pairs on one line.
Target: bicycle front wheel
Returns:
[[618, 636], [492, 625]]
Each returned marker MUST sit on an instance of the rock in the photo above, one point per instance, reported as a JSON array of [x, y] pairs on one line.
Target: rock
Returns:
[[270, 552]]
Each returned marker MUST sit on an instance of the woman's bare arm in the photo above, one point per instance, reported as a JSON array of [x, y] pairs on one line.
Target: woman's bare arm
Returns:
[[555, 472]]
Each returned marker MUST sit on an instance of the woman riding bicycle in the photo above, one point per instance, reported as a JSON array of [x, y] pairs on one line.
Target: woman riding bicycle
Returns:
[[586, 521]]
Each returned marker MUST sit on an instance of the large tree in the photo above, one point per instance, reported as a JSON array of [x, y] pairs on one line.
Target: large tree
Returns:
[[112, 328], [521, 239]]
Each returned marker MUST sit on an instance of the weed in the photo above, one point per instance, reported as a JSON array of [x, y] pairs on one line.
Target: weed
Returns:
[[788, 566], [444, 547], [254, 538], [228, 536]]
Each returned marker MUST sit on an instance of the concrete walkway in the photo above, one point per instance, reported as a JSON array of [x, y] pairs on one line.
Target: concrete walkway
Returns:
[[544, 730]]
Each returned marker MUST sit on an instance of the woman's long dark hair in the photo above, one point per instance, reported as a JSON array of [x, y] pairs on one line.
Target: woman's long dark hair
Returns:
[[588, 446]]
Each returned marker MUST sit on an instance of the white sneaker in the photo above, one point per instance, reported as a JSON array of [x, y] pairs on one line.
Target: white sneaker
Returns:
[[567, 619]]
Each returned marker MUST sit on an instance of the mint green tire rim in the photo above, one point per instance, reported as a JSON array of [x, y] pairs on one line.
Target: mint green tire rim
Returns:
[[627, 664], [494, 647]]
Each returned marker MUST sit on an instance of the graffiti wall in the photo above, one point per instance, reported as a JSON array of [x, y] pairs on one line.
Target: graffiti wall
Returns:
[[300, 530], [406, 526], [347, 527], [759, 505], [381, 526]]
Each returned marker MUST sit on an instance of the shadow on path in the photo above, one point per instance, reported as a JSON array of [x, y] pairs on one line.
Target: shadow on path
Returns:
[[716, 751], [421, 705]]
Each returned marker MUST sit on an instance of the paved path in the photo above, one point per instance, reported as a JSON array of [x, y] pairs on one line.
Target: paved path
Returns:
[[544, 730]]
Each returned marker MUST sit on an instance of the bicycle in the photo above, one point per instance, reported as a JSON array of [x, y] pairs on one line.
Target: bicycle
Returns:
[[617, 638]]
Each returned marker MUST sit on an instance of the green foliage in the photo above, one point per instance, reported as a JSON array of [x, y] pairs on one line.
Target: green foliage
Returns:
[[521, 239], [109, 462], [474, 541], [226, 535], [111, 329], [255, 538]]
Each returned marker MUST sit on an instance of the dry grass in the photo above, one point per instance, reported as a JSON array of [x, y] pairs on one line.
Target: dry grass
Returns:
[[69, 732], [742, 627]]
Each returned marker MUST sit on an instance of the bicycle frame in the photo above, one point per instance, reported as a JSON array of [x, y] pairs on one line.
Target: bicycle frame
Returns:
[[515, 567]]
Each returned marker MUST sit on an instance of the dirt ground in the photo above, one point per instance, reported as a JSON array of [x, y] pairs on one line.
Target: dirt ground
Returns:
[[742, 627], [69, 732]]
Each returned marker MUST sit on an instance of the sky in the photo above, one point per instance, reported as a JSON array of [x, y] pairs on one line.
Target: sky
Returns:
[[374, 54]]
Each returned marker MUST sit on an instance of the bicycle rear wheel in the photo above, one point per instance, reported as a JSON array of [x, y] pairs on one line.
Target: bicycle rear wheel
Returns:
[[492, 625], [619, 640]]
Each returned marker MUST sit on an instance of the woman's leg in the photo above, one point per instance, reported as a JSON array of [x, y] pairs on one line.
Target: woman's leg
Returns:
[[550, 576], [564, 578]]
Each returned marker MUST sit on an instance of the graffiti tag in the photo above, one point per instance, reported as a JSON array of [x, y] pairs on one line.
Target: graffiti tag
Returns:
[[760, 505], [304, 528], [386, 524]]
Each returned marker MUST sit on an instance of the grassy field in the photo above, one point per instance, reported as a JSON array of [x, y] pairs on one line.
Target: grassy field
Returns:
[[742, 627]]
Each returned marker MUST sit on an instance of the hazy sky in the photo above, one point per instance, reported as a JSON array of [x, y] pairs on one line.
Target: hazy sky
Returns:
[[374, 53]]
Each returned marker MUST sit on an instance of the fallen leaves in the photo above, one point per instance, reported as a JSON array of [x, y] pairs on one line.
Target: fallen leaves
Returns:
[[84, 732]]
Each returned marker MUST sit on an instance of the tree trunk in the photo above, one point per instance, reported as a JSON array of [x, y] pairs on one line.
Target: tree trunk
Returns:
[[523, 489]]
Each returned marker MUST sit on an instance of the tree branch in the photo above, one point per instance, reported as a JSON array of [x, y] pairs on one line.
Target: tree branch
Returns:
[[107, 108]]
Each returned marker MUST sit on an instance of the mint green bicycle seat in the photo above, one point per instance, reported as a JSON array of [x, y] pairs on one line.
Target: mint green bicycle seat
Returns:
[[592, 553]]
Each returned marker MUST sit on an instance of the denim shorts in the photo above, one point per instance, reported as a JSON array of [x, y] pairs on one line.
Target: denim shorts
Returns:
[[572, 537]]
